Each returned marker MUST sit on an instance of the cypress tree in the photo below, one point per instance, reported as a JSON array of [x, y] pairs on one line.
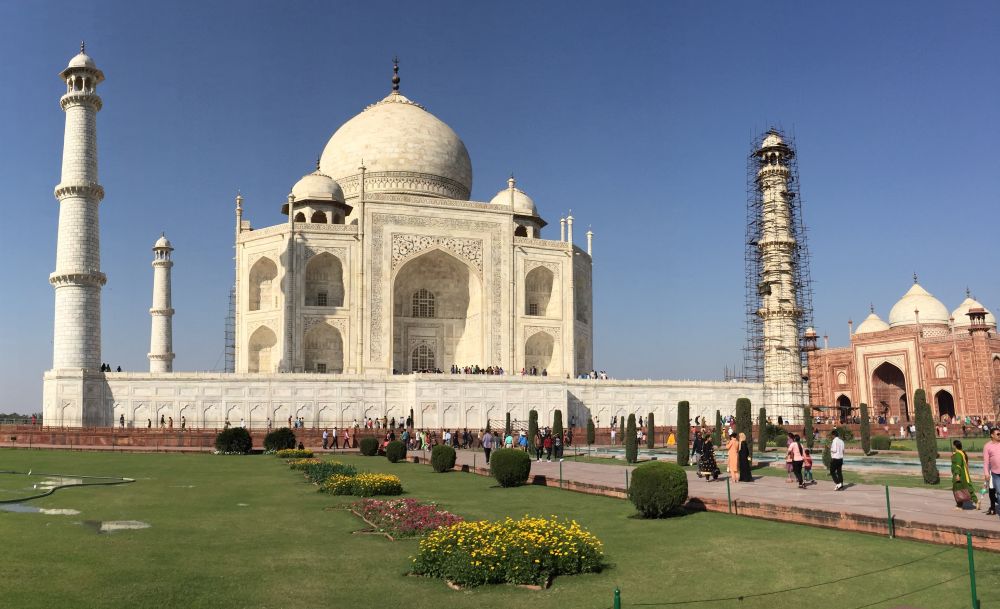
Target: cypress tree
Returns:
[[631, 442], [744, 420], [866, 430], [532, 429], [557, 427], [807, 427], [651, 428], [762, 429], [717, 434], [507, 428], [926, 443], [621, 429], [591, 432], [683, 433]]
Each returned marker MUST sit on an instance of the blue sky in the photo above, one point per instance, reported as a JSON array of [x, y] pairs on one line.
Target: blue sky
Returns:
[[638, 116]]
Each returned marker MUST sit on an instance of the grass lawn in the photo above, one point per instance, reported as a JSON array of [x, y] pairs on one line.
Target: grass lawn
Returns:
[[246, 532]]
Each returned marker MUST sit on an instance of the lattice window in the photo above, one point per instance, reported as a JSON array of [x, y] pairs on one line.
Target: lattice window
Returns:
[[321, 368], [423, 303], [532, 308], [422, 358], [321, 299]]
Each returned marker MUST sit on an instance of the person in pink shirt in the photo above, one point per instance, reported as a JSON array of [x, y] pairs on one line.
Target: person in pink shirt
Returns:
[[991, 458]]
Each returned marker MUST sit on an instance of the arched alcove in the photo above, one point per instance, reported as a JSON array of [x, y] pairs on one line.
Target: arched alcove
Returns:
[[538, 292], [261, 352], [318, 218], [945, 403], [889, 391], [538, 352], [324, 350], [324, 281], [262, 283], [844, 406]]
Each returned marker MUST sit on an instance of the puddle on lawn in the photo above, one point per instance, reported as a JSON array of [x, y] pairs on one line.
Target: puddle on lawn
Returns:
[[109, 526], [21, 508]]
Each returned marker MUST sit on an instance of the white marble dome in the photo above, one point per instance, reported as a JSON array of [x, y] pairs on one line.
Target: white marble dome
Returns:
[[82, 60], [772, 139], [162, 243], [962, 319], [405, 149], [932, 310], [872, 323], [317, 186], [516, 198]]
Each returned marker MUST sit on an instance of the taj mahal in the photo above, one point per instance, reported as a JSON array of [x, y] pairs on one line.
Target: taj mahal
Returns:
[[382, 274]]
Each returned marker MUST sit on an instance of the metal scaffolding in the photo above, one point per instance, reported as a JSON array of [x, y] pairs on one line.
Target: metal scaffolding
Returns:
[[753, 350], [230, 333]]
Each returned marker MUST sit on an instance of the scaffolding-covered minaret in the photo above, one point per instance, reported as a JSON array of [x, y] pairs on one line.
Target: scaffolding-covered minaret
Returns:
[[780, 303]]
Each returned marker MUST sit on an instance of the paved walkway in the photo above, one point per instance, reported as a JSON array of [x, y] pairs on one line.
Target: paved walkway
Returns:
[[935, 507]]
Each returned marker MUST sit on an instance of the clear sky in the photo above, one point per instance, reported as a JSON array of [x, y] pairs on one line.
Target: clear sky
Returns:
[[636, 115]]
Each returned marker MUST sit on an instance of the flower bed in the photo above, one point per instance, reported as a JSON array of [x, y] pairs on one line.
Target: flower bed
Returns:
[[318, 472], [293, 453], [529, 551], [302, 463], [363, 485], [403, 517]]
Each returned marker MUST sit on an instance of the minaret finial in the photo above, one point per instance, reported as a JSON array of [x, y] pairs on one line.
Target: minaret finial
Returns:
[[395, 74], [83, 46], [914, 278], [511, 182], [317, 163], [968, 294], [871, 307]]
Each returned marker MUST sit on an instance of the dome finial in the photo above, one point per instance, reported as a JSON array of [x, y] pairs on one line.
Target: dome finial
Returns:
[[83, 46], [968, 294], [914, 278], [511, 182], [871, 307], [395, 74], [317, 163]]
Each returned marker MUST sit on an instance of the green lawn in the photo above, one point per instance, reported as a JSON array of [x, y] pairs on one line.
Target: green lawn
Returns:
[[247, 532]]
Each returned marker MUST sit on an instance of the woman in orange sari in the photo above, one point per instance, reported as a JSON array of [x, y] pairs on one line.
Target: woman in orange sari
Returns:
[[733, 449]]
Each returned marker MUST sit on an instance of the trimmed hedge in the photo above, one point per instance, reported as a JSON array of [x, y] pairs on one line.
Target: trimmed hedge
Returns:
[[807, 428], [683, 433], [926, 443], [717, 432], [395, 451], [658, 488], [279, 439], [443, 458], [557, 424], [762, 429], [744, 421], [368, 446], [881, 442], [507, 429], [235, 440], [510, 466], [591, 432], [631, 442], [651, 428], [532, 429], [866, 431]]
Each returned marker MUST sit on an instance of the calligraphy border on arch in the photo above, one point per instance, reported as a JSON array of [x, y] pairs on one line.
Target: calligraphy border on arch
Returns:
[[379, 221]]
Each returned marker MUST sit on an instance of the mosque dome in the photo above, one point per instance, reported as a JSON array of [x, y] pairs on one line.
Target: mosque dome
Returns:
[[932, 311], [516, 198], [405, 149], [317, 186], [872, 323], [961, 314]]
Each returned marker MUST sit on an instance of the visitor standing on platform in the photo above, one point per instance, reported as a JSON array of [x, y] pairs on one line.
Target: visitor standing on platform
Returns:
[[961, 481], [706, 464], [797, 456], [837, 460], [991, 459], [487, 444], [733, 458], [326, 439], [746, 461]]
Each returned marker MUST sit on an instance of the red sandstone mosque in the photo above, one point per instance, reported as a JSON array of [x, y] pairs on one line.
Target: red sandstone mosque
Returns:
[[954, 357]]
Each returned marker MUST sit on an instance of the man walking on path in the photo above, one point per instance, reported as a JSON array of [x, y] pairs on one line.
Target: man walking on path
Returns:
[[837, 460], [487, 444], [991, 458]]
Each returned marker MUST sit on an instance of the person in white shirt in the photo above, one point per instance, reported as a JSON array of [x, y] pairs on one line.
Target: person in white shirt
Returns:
[[837, 460]]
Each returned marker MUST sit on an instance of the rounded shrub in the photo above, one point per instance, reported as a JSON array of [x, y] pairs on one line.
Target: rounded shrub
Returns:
[[368, 446], [881, 442], [511, 467], [235, 440], [658, 488], [395, 451], [279, 439], [442, 458]]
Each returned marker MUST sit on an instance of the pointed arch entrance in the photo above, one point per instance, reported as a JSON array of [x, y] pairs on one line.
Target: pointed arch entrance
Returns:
[[437, 304], [844, 408], [945, 403], [889, 392]]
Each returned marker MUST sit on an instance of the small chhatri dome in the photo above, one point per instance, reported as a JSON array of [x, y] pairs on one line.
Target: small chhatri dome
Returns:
[[772, 139], [961, 314], [932, 311], [317, 186], [810, 332], [513, 196], [406, 149], [162, 243], [872, 323]]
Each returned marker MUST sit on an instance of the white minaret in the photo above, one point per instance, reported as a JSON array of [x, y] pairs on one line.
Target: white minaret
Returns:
[[77, 280], [784, 389], [161, 334]]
